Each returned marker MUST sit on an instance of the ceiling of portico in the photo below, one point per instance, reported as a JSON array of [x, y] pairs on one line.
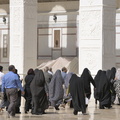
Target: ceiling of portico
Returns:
[[7, 1]]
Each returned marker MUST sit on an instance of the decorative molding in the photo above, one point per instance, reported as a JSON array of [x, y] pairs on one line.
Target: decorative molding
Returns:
[[44, 34]]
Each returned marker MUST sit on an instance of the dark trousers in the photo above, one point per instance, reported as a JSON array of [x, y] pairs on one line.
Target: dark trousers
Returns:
[[28, 98], [12, 96]]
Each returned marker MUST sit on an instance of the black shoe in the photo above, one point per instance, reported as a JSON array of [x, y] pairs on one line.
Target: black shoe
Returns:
[[25, 112], [101, 107], [75, 112], [57, 107], [109, 107], [95, 101], [44, 112], [86, 106], [18, 112], [84, 113]]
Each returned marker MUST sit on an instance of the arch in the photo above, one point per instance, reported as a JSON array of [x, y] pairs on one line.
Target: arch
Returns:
[[4, 9]]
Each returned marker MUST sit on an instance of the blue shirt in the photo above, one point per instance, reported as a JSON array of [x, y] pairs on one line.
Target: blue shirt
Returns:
[[11, 80], [63, 74]]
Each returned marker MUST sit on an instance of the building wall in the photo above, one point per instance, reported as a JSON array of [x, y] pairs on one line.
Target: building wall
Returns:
[[118, 38], [4, 36], [67, 23]]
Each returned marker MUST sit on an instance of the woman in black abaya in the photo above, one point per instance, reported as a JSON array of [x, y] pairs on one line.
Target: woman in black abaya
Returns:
[[104, 91], [97, 80], [28, 96], [78, 94], [113, 93], [87, 79], [39, 97]]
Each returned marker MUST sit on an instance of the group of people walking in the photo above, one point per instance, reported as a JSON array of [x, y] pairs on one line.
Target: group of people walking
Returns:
[[43, 89], [105, 91]]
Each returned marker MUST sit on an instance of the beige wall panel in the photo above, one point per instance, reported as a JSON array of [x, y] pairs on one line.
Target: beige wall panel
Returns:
[[68, 45], [43, 45], [45, 31], [69, 30]]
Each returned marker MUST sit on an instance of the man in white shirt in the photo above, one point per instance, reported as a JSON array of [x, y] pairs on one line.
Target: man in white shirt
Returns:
[[1, 75]]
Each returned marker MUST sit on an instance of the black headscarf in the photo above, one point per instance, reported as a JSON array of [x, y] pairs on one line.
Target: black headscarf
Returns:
[[77, 93], [113, 71], [39, 97], [109, 75], [38, 81], [29, 77]]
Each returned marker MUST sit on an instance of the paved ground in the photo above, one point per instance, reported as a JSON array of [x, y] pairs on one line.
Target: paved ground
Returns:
[[94, 113]]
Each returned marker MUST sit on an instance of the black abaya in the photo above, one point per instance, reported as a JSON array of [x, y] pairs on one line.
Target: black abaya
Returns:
[[77, 93], [104, 91], [97, 80], [39, 97], [28, 95], [87, 79]]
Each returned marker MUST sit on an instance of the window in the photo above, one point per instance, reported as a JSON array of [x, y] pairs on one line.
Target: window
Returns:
[[56, 39], [5, 46]]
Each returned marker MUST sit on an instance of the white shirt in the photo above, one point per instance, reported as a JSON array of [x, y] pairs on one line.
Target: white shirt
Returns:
[[50, 72], [1, 75]]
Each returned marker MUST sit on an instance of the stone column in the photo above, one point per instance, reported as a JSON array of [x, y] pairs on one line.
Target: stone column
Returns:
[[97, 35], [23, 34]]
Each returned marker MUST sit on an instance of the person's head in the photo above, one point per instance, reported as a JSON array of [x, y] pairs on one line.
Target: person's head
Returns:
[[11, 68], [50, 69], [16, 71], [64, 69], [30, 72], [1, 68], [46, 69]]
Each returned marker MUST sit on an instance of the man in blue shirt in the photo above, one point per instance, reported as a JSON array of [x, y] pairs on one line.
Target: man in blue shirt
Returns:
[[10, 85], [64, 72]]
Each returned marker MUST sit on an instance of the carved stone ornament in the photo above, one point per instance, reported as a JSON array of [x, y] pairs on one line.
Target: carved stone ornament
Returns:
[[90, 24], [90, 58]]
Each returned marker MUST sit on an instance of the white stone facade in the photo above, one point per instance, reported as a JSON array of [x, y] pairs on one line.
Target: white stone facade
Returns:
[[23, 34], [97, 30], [97, 35]]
